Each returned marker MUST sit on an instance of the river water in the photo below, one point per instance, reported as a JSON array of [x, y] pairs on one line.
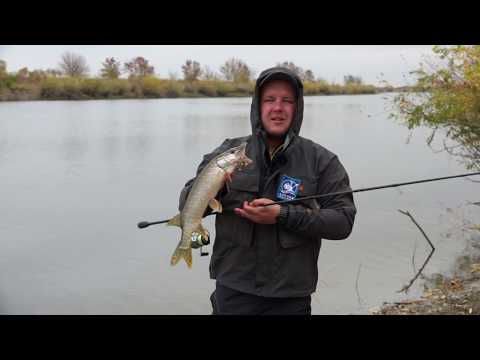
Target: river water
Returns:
[[76, 177]]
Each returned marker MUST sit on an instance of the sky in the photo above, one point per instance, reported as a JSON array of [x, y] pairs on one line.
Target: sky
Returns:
[[373, 63]]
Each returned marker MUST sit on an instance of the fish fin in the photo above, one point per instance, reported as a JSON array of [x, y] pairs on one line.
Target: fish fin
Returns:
[[182, 252], [175, 221], [215, 205], [228, 179]]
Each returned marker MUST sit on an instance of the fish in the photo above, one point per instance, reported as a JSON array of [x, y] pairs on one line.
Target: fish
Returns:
[[206, 186]]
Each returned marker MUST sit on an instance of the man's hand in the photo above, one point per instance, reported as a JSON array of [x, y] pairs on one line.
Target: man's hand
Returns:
[[257, 213]]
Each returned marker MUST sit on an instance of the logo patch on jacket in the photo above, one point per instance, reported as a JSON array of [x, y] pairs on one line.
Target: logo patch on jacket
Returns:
[[288, 188]]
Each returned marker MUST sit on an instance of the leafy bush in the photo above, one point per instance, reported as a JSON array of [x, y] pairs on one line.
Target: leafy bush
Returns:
[[207, 88], [224, 88], [43, 85], [173, 89], [51, 88], [72, 88], [447, 98], [151, 87], [91, 88]]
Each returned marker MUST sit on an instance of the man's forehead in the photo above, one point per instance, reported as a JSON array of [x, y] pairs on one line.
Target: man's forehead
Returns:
[[278, 85]]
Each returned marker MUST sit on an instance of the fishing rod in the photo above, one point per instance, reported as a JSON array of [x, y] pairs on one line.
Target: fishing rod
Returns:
[[370, 188], [144, 224]]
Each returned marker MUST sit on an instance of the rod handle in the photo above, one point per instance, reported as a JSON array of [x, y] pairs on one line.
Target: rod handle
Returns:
[[143, 224]]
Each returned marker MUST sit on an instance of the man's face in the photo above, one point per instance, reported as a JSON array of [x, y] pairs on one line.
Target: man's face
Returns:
[[277, 107]]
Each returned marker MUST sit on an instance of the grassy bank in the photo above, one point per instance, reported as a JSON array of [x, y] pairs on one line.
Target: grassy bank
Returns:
[[15, 88]]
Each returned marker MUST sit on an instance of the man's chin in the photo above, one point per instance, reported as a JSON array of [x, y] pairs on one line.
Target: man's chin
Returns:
[[276, 136]]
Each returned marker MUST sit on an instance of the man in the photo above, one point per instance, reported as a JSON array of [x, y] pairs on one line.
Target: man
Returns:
[[264, 259]]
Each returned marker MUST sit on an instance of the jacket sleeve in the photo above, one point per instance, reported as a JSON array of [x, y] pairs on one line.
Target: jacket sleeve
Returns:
[[335, 217], [206, 159]]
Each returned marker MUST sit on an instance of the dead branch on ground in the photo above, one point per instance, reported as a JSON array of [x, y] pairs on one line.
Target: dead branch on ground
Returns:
[[405, 288], [413, 257], [360, 301]]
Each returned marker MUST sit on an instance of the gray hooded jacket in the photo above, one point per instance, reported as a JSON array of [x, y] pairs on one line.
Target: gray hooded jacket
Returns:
[[278, 260]]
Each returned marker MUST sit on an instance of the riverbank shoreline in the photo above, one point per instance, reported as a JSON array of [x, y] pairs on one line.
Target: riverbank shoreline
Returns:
[[170, 98], [34, 88], [457, 293]]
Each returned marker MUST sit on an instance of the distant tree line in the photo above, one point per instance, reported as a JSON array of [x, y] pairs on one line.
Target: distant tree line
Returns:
[[71, 80]]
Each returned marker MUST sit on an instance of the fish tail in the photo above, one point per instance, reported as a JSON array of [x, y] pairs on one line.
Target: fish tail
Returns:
[[182, 251], [185, 253]]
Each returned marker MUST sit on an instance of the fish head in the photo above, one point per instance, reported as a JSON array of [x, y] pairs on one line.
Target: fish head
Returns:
[[235, 158]]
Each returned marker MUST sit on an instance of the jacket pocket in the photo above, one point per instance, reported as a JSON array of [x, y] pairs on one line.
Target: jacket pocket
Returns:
[[289, 239], [244, 187], [244, 182], [223, 243], [239, 231], [232, 231], [309, 188]]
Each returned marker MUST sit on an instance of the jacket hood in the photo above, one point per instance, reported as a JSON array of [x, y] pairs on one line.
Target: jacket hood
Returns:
[[277, 73]]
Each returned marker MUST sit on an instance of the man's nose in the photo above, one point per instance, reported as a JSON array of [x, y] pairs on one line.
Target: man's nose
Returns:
[[277, 106]]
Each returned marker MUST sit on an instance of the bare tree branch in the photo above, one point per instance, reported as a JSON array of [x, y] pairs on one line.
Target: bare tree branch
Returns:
[[74, 65], [111, 69], [138, 68], [236, 70], [409, 137], [413, 258], [191, 70], [405, 288], [360, 301]]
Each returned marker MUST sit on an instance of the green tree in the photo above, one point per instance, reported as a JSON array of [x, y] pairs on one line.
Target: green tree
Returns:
[[3, 67], [236, 70], [191, 70], [73, 65], [446, 98], [110, 69]]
